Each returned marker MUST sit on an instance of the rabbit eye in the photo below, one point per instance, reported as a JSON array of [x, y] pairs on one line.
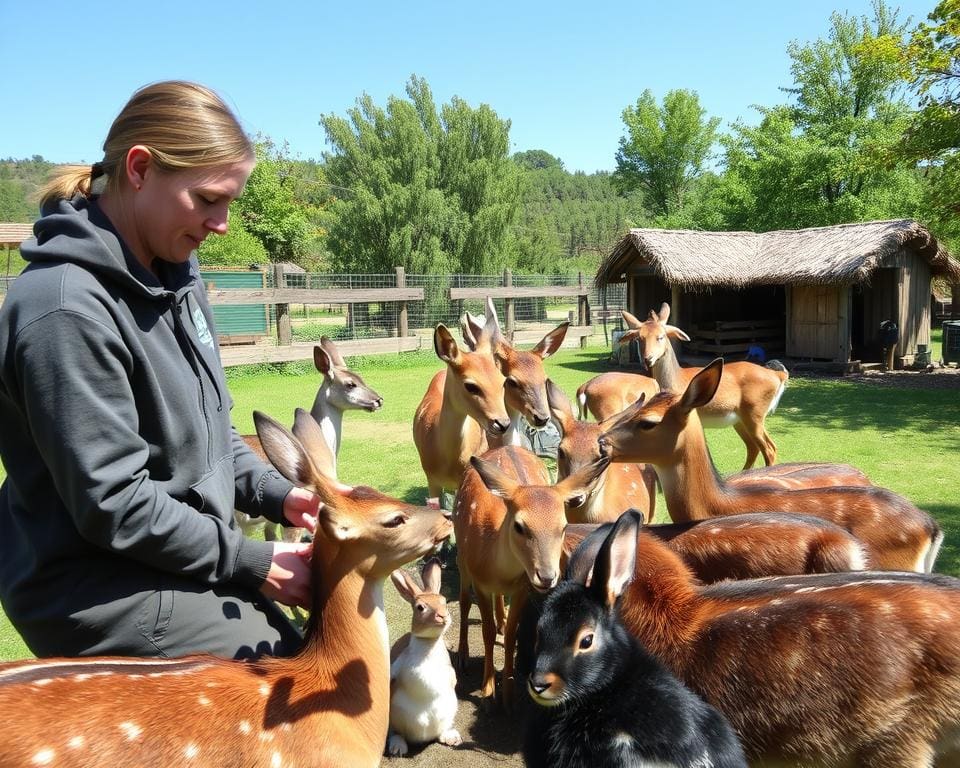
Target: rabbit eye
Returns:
[[586, 641]]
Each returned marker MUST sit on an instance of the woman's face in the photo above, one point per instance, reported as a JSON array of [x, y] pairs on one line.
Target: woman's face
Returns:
[[175, 211]]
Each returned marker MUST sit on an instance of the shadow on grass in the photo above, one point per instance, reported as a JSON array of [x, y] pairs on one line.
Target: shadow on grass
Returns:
[[948, 515]]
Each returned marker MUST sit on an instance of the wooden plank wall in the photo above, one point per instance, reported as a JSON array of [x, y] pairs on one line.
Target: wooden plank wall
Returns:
[[914, 312], [813, 322]]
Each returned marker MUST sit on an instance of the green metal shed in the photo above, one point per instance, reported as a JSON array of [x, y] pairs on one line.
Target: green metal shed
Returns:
[[243, 322]]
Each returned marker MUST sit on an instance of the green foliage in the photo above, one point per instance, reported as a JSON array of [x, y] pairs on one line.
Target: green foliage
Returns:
[[666, 148], [268, 208], [237, 248], [432, 192]]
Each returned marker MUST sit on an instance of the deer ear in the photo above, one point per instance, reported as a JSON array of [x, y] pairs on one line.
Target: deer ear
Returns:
[[284, 450], [445, 345], [580, 482], [616, 559], [630, 320], [308, 432], [675, 333], [551, 342], [664, 313], [703, 386], [560, 407], [470, 328], [322, 361], [498, 482], [331, 349]]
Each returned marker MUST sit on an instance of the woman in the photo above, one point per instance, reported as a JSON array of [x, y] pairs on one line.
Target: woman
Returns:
[[117, 533]]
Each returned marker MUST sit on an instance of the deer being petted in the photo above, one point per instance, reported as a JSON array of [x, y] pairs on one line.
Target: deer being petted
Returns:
[[667, 433], [462, 405], [341, 389], [747, 394], [327, 707]]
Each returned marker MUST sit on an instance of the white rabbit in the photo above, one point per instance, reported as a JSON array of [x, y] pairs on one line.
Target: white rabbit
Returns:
[[423, 698]]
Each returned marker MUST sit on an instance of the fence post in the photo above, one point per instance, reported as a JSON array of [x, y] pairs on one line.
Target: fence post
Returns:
[[284, 332], [508, 303], [402, 313], [583, 309]]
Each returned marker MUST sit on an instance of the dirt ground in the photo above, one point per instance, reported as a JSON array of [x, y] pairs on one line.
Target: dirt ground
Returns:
[[491, 737]]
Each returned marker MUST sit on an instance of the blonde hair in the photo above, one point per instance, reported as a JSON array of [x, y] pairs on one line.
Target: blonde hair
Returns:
[[183, 124]]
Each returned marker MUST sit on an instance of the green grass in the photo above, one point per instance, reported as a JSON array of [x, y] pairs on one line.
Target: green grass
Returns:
[[904, 439]]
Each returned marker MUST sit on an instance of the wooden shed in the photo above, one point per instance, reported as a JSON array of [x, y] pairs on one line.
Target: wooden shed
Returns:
[[816, 294]]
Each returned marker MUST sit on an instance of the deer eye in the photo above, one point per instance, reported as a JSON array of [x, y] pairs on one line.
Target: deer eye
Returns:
[[586, 641], [518, 527], [646, 425], [472, 388], [395, 522], [512, 383], [350, 385], [421, 607]]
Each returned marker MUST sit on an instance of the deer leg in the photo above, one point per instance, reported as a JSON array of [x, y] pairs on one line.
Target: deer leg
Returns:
[[488, 628], [501, 608], [752, 450], [463, 647], [517, 600], [752, 419]]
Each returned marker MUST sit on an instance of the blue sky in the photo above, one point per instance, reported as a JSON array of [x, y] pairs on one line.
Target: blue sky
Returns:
[[561, 72]]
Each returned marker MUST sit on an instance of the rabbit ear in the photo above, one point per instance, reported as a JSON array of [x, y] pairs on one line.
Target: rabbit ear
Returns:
[[616, 559], [430, 573], [581, 563], [405, 585]]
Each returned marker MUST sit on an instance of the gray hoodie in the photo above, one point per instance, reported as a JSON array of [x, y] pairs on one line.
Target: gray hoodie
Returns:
[[123, 468]]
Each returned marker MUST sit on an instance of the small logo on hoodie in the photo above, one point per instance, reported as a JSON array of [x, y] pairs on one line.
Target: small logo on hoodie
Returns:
[[203, 330]]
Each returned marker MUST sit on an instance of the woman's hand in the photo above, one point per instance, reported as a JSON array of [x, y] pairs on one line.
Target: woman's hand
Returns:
[[289, 579], [300, 507]]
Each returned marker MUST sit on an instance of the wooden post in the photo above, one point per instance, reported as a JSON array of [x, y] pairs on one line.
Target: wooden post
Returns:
[[508, 302], [284, 332], [583, 309], [402, 309]]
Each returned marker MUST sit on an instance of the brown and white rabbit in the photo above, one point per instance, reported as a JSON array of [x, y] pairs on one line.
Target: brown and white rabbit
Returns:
[[423, 698]]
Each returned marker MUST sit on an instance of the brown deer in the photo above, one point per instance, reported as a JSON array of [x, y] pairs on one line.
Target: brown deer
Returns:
[[509, 524], [524, 387], [850, 669], [341, 389], [326, 706], [610, 393], [747, 394], [666, 432], [462, 404], [620, 487]]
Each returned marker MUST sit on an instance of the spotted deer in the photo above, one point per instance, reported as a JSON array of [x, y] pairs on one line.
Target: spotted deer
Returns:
[[341, 389], [846, 669], [509, 522], [747, 394], [328, 706], [463, 404], [620, 487], [667, 433]]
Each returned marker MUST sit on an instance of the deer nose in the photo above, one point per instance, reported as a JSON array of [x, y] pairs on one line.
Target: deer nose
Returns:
[[544, 581], [499, 426], [540, 421], [604, 446]]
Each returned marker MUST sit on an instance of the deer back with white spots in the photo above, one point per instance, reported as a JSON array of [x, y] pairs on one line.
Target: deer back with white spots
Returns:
[[327, 706]]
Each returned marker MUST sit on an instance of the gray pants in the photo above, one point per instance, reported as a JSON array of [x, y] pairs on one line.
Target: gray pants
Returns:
[[180, 619]]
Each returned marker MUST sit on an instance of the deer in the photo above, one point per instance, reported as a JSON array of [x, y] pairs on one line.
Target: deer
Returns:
[[525, 394], [609, 393], [341, 389], [667, 433], [747, 394], [837, 669], [508, 522], [621, 486], [328, 705], [463, 404]]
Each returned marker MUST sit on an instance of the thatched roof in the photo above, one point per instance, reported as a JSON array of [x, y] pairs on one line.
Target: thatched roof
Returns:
[[846, 253], [11, 235]]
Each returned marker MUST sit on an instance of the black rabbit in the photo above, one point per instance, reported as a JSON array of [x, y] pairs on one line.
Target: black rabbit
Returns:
[[603, 699]]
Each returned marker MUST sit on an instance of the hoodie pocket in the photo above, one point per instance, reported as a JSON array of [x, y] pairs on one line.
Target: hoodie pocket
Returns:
[[153, 618], [215, 492]]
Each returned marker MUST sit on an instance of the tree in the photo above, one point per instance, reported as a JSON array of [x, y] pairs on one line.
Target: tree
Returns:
[[268, 209], [430, 191], [665, 148], [237, 248]]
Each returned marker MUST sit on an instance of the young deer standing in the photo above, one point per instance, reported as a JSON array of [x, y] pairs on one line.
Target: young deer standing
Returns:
[[666, 432], [327, 706], [620, 487], [462, 404], [341, 389], [747, 394], [525, 393], [850, 669], [509, 524]]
